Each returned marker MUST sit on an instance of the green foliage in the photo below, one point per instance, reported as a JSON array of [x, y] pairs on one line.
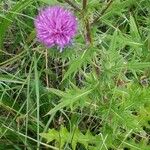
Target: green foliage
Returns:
[[92, 96], [62, 138], [10, 16], [71, 97], [54, 2]]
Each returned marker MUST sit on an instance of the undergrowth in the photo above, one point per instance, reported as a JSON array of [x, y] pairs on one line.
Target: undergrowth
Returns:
[[92, 96]]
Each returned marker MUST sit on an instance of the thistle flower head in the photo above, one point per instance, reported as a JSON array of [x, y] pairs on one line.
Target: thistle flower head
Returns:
[[55, 26]]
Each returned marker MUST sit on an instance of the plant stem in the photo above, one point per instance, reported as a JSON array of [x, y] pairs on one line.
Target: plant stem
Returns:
[[73, 5], [88, 32], [102, 12], [46, 65], [88, 38], [84, 4]]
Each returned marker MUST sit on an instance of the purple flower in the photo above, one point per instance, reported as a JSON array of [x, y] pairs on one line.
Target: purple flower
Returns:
[[55, 26]]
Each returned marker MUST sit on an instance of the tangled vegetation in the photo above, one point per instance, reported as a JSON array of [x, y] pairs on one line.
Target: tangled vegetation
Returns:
[[94, 95]]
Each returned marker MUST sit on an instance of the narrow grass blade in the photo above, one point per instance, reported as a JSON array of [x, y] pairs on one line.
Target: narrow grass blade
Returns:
[[37, 100], [11, 16]]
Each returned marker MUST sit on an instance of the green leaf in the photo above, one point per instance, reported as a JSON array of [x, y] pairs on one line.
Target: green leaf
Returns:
[[134, 29], [50, 2], [51, 135], [138, 65], [56, 92], [70, 99], [76, 64], [113, 44], [62, 137]]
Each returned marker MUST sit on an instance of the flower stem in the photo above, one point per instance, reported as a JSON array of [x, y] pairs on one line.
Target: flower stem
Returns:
[[88, 32], [88, 37], [84, 4]]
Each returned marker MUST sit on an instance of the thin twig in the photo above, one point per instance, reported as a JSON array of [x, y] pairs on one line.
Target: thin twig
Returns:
[[73, 5], [102, 12]]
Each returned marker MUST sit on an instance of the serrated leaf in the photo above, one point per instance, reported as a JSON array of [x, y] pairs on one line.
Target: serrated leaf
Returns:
[[76, 64], [134, 30], [63, 136], [51, 135], [113, 43], [69, 100]]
